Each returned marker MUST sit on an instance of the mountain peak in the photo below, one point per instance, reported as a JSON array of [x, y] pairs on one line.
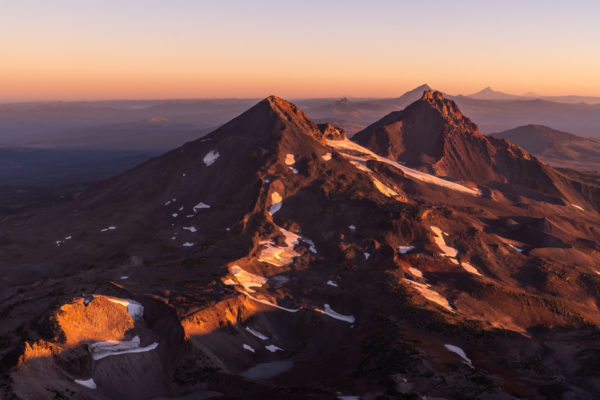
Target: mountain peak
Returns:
[[447, 108], [430, 95], [488, 93], [423, 87]]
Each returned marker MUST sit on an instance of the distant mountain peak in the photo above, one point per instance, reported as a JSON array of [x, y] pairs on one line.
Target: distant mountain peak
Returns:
[[488, 93], [423, 87], [414, 93], [157, 120]]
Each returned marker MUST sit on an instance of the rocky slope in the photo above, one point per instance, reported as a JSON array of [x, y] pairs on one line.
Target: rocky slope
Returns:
[[275, 258]]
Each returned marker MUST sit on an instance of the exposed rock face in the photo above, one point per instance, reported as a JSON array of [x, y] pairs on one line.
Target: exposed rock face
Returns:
[[328, 131], [275, 258]]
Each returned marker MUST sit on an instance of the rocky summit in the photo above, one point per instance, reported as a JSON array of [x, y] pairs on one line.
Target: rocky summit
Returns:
[[277, 259]]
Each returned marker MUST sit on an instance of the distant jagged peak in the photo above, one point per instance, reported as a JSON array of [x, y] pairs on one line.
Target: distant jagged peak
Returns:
[[447, 108]]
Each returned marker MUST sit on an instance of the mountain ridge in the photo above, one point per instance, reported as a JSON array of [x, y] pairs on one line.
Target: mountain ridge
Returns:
[[274, 258]]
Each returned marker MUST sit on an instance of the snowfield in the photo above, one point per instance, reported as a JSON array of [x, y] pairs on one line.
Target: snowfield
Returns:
[[256, 333], [460, 352], [272, 348], [88, 383], [200, 206], [441, 243], [405, 249], [470, 269], [280, 255], [430, 294], [247, 279], [329, 312], [101, 350], [348, 145]]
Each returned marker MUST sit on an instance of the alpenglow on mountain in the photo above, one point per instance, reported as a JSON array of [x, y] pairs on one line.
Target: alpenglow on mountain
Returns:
[[277, 259]]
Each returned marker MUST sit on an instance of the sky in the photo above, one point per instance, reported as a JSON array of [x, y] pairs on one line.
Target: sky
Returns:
[[112, 49]]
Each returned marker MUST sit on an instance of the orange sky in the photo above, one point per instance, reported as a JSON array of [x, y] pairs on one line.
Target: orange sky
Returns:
[[68, 49]]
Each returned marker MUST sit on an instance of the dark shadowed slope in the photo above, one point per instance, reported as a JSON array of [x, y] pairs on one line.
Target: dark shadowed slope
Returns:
[[557, 148]]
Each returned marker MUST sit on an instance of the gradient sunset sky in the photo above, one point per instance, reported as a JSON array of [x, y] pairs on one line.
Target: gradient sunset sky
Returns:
[[100, 49]]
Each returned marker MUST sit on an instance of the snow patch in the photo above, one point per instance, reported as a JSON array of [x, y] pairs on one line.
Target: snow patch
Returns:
[[124, 277], [294, 170], [278, 255], [266, 302], [88, 383], [311, 244], [328, 311], [257, 333], [68, 237], [174, 215], [415, 272], [367, 255], [272, 348], [405, 249], [188, 244], [276, 203], [385, 190], [470, 269], [332, 283], [517, 248], [248, 347], [101, 350], [210, 157], [190, 228], [441, 243], [352, 228], [430, 294], [326, 157], [361, 166], [108, 228], [290, 159], [200, 206], [460, 352], [246, 279]]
